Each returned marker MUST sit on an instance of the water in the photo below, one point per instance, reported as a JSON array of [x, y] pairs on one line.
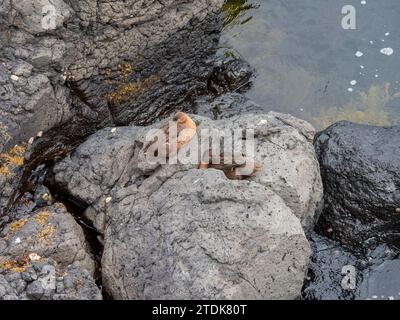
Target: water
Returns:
[[306, 63]]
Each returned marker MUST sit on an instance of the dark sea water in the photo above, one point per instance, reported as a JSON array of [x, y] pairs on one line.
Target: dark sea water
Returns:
[[306, 63]]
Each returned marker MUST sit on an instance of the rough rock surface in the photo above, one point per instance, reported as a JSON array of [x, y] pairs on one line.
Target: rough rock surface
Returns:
[[11, 168], [45, 256], [174, 231], [100, 62], [360, 168]]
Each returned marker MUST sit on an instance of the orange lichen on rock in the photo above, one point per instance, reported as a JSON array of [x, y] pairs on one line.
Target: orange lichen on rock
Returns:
[[129, 90], [42, 217], [19, 265], [14, 157], [16, 225], [45, 233], [125, 70]]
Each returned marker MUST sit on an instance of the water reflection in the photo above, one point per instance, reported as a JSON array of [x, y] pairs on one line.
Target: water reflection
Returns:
[[307, 64]]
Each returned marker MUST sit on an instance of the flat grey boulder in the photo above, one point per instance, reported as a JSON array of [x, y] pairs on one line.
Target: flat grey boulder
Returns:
[[173, 231]]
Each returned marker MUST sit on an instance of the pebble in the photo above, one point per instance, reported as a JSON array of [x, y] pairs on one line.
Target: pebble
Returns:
[[113, 130], [108, 199], [14, 77], [262, 122], [34, 257]]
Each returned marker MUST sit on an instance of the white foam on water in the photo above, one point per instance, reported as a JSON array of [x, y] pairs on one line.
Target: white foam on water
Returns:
[[359, 54], [350, 89], [387, 51], [353, 82], [363, 2]]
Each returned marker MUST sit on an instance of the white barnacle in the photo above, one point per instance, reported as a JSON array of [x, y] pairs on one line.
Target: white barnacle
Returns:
[[34, 257], [108, 199]]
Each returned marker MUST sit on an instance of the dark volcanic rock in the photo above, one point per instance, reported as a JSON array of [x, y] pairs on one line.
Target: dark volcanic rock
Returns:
[[109, 62], [225, 106], [68, 68], [325, 275], [337, 274], [360, 168]]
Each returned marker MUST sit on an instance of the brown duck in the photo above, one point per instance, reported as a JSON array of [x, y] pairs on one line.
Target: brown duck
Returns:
[[235, 168], [185, 130]]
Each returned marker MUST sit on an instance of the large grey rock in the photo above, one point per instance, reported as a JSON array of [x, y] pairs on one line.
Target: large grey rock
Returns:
[[45, 256], [174, 231], [360, 167], [283, 146], [202, 236]]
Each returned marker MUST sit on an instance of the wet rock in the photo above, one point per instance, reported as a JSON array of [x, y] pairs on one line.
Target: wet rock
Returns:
[[40, 251], [230, 73], [42, 196], [164, 225], [382, 281], [337, 274], [225, 106], [325, 276], [360, 168], [119, 62]]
